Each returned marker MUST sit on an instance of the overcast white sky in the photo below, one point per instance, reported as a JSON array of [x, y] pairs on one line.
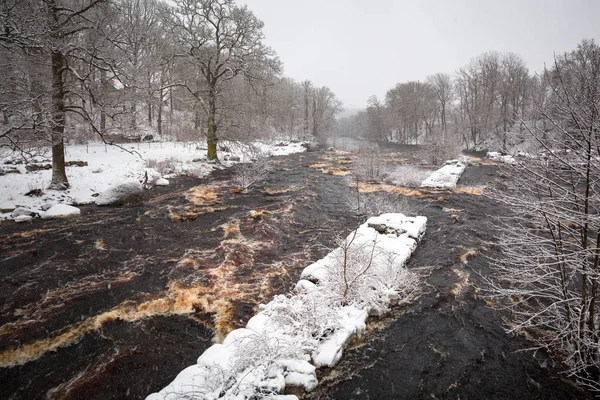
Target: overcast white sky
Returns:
[[364, 47]]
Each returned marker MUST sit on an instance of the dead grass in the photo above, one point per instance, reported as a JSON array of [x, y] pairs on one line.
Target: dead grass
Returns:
[[190, 213], [336, 172], [331, 170], [273, 192], [27, 235], [258, 213], [203, 195], [459, 287], [318, 165], [468, 255], [231, 229], [473, 190], [452, 210], [371, 188]]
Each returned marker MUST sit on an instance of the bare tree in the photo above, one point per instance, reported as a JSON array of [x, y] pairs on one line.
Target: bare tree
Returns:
[[308, 89], [442, 87], [247, 174], [49, 31], [223, 40], [324, 107], [376, 113], [549, 271]]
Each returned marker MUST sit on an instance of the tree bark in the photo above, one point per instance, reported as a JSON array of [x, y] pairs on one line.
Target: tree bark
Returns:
[[159, 114], [102, 112], [211, 135], [59, 175]]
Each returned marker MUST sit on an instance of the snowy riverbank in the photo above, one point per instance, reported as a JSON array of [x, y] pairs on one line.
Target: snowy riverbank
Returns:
[[96, 167]]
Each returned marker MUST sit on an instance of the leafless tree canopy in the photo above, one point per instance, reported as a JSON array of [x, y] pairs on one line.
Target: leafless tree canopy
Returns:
[[126, 70], [548, 275]]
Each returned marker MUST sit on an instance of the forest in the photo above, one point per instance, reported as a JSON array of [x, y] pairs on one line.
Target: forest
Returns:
[[78, 71]]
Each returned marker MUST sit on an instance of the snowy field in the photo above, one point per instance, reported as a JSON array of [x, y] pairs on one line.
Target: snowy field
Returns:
[[109, 165], [309, 328]]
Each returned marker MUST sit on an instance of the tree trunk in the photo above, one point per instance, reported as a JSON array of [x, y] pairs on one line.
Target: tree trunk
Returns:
[[159, 114], [211, 135], [306, 88], [197, 117], [315, 125], [133, 115], [59, 175], [103, 102]]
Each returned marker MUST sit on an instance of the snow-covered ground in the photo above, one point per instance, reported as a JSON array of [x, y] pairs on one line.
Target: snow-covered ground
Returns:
[[496, 156], [294, 334], [109, 165], [446, 177]]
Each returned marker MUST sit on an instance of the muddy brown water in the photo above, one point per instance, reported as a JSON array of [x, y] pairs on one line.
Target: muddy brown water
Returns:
[[114, 304]]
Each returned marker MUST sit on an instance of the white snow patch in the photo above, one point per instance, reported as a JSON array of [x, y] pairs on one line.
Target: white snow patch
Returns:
[[61, 211], [445, 177], [23, 218], [162, 182], [495, 156]]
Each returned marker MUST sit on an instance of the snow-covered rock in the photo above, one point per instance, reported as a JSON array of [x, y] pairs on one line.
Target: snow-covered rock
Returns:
[[23, 218], [305, 285], [162, 182], [6, 207], [495, 156], [217, 355], [446, 177], [258, 323], [129, 191], [153, 175], [46, 206], [353, 322], [236, 337], [61, 211], [17, 212]]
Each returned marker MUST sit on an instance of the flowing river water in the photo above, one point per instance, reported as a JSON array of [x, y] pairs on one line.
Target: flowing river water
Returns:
[[114, 304]]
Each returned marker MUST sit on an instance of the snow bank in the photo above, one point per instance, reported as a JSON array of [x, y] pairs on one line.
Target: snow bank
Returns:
[[61, 211], [445, 177], [495, 156], [291, 336], [108, 165]]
